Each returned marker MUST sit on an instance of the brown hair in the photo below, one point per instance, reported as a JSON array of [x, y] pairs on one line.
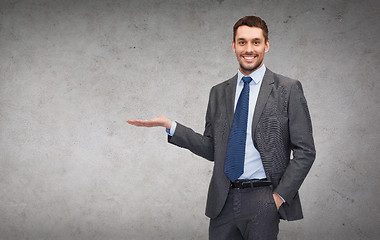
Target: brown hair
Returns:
[[252, 21]]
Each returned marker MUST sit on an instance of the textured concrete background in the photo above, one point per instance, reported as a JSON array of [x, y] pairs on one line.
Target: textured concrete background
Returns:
[[72, 72]]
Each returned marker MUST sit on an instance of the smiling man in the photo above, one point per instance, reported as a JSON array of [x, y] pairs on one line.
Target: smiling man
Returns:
[[255, 122]]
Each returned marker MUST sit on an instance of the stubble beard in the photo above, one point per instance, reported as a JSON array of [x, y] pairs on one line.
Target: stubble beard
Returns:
[[252, 69]]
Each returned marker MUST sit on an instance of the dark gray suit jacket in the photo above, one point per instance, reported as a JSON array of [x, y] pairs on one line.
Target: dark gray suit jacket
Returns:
[[281, 125]]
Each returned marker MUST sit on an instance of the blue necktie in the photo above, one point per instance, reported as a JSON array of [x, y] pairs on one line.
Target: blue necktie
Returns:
[[234, 165]]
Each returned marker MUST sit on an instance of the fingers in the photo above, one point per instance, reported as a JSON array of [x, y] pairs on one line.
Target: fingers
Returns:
[[145, 123], [139, 123], [159, 121]]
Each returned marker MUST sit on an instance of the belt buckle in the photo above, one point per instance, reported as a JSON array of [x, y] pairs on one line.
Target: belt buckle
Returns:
[[243, 184]]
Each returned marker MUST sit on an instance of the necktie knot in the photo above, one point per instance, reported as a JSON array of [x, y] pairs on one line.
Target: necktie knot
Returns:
[[247, 79]]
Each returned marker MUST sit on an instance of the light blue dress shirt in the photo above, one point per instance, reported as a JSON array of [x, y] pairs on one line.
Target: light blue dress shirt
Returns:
[[253, 166]]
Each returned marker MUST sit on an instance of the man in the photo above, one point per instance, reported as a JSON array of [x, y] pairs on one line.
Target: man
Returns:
[[255, 121]]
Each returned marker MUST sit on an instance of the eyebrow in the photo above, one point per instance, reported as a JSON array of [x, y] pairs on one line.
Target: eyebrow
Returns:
[[255, 39]]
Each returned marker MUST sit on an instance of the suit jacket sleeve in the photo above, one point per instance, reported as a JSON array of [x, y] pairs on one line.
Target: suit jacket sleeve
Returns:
[[301, 142], [201, 145]]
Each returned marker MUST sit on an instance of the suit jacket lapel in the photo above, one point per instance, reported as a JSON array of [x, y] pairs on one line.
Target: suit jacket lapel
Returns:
[[265, 90], [230, 91]]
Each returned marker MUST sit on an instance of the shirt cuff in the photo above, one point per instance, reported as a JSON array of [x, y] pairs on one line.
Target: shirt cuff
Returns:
[[171, 131]]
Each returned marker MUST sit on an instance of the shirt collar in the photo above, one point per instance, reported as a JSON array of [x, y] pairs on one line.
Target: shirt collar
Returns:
[[257, 76]]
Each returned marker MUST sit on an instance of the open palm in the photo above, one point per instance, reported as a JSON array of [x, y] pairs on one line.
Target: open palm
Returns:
[[160, 121]]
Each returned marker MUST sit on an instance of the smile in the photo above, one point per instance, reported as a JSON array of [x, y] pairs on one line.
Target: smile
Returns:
[[249, 58]]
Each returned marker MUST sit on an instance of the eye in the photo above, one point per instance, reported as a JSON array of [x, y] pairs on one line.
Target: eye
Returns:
[[241, 42]]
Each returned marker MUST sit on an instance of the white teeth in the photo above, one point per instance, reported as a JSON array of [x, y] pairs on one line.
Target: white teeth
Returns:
[[249, 58]]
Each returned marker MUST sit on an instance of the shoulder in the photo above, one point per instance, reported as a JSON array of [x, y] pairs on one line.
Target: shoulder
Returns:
[[283, 81], [280, 79], [227, 82]]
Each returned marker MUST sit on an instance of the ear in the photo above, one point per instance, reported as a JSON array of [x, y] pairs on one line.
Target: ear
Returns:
[[233, 46], [267, 46]]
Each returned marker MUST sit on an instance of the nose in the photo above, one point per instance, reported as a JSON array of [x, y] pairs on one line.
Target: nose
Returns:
[[249, 48]]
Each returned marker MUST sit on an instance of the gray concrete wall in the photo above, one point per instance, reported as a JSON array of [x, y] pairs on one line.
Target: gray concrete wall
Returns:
[[72, 72]]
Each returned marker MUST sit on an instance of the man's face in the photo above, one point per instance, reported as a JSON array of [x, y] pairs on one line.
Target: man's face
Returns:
[[250, 48]]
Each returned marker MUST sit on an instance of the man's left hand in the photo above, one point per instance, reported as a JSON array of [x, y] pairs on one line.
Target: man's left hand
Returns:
[[278, 200]]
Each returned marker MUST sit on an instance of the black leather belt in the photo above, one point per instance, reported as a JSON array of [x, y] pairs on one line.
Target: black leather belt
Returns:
[[250, 183]]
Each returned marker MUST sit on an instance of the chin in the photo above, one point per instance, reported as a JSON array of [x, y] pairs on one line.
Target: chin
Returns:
[[249, 68]]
